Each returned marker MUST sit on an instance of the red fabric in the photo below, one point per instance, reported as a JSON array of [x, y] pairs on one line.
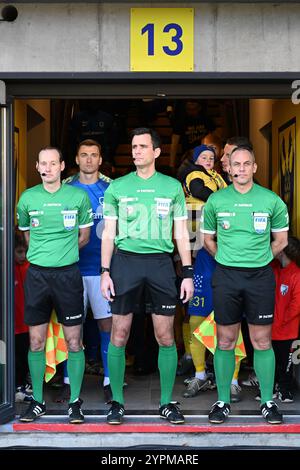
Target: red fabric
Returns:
[[20, 273], [287, 301]]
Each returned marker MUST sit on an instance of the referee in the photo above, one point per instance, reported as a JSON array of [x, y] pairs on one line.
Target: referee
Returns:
[[140, 211], [56, 220], [243, 216]]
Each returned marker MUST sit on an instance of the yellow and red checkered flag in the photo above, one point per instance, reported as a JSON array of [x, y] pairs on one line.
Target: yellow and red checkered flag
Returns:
[[207, 334], [56, 348]]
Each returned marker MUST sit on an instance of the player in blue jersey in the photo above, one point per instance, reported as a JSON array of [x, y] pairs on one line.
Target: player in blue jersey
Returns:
[[89, 178]]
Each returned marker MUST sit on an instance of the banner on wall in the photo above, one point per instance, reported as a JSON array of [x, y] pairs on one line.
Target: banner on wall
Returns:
[[286, 152]]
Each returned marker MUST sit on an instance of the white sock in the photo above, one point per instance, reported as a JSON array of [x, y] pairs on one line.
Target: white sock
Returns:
[[201, 375], [234, 382], [106, 381]]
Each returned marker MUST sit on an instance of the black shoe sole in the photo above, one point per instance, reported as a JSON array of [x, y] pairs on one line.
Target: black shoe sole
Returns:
[[173, 422], [214, 421], [30, 420]]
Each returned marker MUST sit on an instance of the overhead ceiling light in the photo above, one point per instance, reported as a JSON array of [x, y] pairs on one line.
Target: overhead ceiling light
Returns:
[[9, 13]]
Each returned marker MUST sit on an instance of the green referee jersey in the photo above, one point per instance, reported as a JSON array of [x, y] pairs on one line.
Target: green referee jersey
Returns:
[[243, 223], [54, 220], [145, 210]]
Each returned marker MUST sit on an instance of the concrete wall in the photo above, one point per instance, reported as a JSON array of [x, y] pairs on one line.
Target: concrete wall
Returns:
[[95, 37]]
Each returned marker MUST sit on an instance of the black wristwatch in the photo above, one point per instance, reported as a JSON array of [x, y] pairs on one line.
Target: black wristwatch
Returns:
[[104, 270]]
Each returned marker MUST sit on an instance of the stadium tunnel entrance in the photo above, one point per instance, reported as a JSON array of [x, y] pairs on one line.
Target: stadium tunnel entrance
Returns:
[[38, 110]]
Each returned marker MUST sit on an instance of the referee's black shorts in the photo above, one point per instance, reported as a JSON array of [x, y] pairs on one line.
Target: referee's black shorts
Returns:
[[53, 288], [143, 280], [249, 291]]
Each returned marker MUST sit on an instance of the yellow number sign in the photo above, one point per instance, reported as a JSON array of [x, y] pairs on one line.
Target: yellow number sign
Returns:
[[162, 39]]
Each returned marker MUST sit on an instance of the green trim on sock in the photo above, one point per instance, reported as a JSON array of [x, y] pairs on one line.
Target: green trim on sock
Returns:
[[167, 365], [76, 366], [116, 367], [224, 364], [37, 367], [264, 366]]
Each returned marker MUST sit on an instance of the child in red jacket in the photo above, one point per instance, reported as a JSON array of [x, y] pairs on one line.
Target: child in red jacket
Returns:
[[285, 328], [23, 389]]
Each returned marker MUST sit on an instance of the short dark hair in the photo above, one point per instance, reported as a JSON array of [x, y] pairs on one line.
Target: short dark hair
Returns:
[[50, 147], [239, 141], [292, 250], [243, 147], [89, 143], [156, 142]]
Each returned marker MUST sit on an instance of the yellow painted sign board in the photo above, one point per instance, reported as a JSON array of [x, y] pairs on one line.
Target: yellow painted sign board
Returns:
[[162, 40]]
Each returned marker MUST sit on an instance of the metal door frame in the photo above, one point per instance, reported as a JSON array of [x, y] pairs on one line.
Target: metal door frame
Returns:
[[105, 85], [7, 304]]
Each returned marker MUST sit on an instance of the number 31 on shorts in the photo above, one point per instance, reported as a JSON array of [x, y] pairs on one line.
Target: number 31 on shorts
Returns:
[[162, 39]]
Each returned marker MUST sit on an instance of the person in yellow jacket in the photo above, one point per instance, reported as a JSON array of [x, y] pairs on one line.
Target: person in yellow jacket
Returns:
[[199, 180]]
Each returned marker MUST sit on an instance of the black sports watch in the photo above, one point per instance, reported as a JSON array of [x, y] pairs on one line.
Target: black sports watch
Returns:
[[104, 270]]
